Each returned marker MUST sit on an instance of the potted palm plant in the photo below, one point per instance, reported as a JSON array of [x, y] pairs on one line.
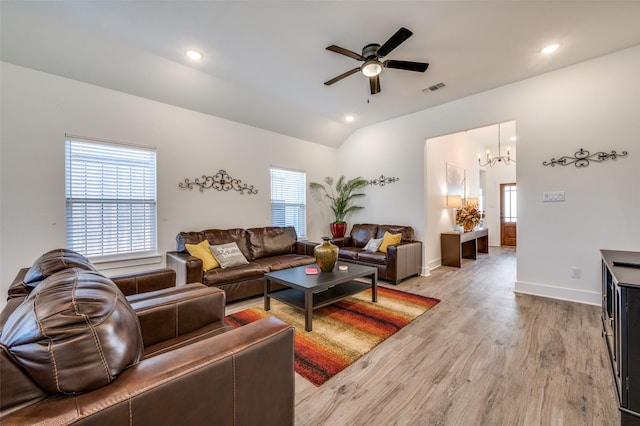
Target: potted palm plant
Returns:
[[340, 199]]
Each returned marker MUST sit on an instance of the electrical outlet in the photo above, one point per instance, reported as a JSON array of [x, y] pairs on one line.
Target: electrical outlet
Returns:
[[552, 196], [576, 272]]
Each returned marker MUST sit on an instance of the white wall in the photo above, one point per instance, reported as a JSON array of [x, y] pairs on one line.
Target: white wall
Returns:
[[38, 109], [593, 105], [382, 154]]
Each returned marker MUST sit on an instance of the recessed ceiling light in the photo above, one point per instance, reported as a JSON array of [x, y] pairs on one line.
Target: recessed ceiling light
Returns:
[[550, 48], [349, 118], [195, 55]]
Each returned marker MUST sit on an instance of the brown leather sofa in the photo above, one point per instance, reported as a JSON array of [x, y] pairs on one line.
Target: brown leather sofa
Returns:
[[75, 350], [400, 261], [267, 249]]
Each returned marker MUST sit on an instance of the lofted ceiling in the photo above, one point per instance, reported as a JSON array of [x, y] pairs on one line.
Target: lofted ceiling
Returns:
[[265, 62]]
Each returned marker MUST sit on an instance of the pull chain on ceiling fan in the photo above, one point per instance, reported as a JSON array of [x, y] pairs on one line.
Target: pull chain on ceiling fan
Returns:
[[371, 55]]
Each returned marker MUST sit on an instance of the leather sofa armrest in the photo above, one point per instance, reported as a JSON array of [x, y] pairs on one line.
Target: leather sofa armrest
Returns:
[[142, 282], [223, 376], [174, 312], [17, 289], [342, 242], [188, 268], [404, 260], [305, 247]]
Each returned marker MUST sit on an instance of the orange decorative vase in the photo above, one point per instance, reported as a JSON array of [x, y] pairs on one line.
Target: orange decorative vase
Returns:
[[326, 255], [468, 226]]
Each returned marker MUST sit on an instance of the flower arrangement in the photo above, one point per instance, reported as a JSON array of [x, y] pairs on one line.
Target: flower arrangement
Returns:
[[469, 216]]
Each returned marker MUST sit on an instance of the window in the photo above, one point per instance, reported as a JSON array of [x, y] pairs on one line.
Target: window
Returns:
[[509, 203], [288, 200], [110, 199]]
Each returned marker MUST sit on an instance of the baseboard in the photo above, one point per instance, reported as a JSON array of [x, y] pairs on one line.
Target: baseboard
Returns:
[[433, 264], [425, 272], [560, 293]]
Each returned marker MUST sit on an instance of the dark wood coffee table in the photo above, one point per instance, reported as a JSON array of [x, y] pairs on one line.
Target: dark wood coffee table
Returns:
[[309, 292]]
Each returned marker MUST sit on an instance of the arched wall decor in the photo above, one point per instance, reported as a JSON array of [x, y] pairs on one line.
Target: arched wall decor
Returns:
[[221, 181]]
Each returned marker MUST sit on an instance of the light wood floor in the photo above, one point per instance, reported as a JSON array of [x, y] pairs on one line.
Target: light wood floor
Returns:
[[483, 356]]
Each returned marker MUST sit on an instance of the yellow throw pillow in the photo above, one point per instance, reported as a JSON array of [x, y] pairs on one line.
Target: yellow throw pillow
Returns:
[[202, 252], [389, 239]]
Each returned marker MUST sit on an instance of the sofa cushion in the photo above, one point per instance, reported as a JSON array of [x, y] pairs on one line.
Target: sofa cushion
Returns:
[[239, 236], [271, 241], [389, 239], [220, 276], [349, 253], [406, 231], [203, 252], [362, 233], [184, 238], [228, 255], [284, 261], [74, 332], [377, 258]]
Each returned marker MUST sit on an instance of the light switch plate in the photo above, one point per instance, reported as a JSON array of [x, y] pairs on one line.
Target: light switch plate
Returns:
[[553, 196]]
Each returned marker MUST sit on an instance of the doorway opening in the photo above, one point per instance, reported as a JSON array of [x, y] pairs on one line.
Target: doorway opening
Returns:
[[467, 150]]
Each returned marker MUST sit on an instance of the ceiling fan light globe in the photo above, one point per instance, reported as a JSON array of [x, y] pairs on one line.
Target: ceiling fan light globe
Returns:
[[371, 68]]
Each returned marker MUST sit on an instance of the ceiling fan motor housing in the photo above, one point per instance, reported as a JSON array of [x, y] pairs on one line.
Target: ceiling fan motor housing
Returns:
[[370, 51]]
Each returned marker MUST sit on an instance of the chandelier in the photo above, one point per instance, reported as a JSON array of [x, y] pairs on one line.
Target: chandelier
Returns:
[[491, 161]]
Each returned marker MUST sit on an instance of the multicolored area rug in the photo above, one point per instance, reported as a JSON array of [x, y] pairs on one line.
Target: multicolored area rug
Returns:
[[343, 331]]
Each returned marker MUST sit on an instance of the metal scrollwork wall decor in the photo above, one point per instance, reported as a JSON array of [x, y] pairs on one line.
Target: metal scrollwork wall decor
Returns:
[[221, 181], [382, 180], [582, 158]]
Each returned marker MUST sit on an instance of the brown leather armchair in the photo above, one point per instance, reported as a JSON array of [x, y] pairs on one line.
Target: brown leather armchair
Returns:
[[75, 350]]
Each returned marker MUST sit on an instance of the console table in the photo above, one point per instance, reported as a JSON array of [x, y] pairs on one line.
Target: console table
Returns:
[[621, 327], [454, 246]]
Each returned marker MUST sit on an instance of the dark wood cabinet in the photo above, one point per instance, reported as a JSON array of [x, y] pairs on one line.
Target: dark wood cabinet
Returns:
[[621, 328]]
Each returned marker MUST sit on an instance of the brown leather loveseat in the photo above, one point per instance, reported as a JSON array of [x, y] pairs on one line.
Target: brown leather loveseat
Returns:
[[400, 261], [265, 249], [75, 350]]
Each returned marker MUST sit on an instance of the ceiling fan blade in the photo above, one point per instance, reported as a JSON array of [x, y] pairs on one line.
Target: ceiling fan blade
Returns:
[[407, 65], [374, 82], [396, 40], [341, 76], [346, 52]]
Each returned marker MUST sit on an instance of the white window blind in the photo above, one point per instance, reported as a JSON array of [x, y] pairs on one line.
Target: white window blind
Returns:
[[110, 199], [288, 200]]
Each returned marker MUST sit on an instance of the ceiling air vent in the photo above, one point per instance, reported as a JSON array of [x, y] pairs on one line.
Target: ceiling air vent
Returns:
[[434, 87]]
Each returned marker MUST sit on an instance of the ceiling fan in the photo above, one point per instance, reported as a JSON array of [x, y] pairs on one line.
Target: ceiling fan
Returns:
[[371, 55]]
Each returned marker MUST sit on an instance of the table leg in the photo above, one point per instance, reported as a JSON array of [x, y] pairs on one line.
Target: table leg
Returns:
[[374, 287], [308, 310], [469, 249], [267, 290], [483, 244]]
